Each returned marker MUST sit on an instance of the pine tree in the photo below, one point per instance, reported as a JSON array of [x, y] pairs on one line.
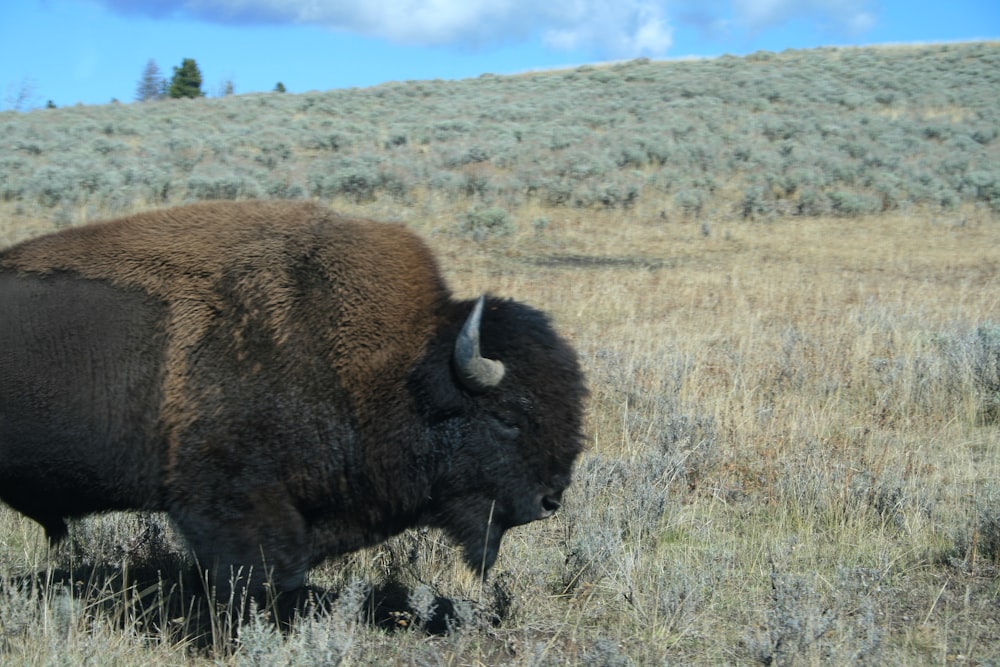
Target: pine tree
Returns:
[[186, 81], [279, 87], [151, 84], [21, 97]]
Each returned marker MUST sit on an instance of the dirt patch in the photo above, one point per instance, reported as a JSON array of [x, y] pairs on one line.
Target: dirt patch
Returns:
[[597, 261]]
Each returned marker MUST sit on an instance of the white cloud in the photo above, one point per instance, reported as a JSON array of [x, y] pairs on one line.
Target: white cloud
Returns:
[[622, 29], [613, 28], [618, 28], [851, 16]]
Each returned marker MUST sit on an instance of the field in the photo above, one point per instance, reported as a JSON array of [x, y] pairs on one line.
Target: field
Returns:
[[794, 422]]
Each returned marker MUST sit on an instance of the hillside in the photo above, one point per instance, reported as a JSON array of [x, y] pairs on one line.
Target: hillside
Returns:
[[843, 132]]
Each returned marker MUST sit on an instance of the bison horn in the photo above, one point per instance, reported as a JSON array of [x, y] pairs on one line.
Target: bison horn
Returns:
[[475, 371]]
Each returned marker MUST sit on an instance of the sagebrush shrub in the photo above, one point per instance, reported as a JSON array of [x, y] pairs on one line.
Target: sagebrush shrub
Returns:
[[482, 223]]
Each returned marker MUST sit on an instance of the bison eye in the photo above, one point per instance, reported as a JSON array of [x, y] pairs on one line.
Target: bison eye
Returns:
[[506, 428]]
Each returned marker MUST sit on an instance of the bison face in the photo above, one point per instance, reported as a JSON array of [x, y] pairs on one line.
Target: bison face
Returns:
[[508, 424], [493, 485]]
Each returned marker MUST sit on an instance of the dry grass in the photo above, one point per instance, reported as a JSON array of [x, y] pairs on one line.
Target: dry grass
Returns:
[[791, 461]]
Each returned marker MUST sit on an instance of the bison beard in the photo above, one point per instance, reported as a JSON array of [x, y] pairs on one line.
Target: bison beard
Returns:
[[285, 383]]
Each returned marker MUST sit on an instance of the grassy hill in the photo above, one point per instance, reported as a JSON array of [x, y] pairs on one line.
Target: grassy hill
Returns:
[[781, 274], [842, 132]]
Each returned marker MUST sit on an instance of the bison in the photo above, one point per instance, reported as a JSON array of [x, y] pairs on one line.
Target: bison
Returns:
[[287, 384]]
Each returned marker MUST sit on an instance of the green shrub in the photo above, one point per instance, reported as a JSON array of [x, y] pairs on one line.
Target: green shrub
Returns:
[[482, 223], [219, 183], [689, 201], [852, 204]]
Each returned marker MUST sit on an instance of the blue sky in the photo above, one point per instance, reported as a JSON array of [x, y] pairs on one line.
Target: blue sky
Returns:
[[91, 51]]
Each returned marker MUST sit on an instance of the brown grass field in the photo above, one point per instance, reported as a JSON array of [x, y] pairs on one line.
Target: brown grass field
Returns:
[[793, 460]]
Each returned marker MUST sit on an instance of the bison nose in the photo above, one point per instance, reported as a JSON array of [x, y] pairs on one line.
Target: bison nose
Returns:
[[549, 505]]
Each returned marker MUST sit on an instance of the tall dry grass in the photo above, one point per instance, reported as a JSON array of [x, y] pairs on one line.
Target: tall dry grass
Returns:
[[794, 459]]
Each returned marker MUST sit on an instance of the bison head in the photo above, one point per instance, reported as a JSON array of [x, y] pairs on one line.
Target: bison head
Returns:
[[506, 418]]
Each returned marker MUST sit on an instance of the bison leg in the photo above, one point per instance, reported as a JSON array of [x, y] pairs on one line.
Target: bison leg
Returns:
[[46, 509], [255, 545]]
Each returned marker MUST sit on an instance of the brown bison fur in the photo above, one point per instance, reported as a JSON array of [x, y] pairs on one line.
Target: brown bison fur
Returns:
[[279, 379]]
